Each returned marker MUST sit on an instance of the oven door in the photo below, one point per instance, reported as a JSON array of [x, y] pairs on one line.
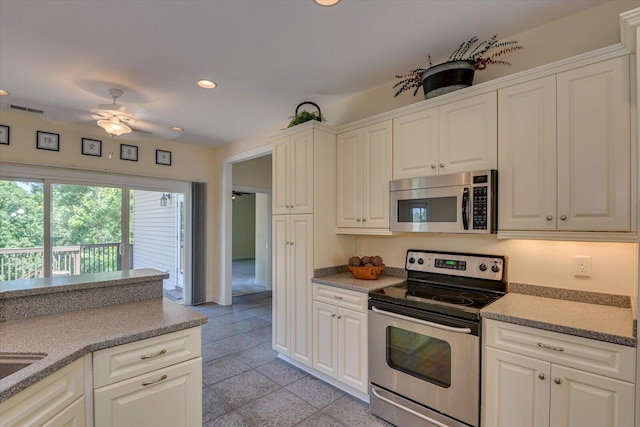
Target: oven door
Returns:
[[443, 209], [432, 360]]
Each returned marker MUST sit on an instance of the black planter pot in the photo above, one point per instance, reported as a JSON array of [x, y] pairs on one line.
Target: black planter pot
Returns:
[[447, 77]]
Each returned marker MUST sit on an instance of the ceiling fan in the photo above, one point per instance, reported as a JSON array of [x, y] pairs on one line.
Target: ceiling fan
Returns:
[[114, 118]]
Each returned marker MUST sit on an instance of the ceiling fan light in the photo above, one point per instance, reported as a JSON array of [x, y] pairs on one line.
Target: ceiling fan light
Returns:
[[113, 126]]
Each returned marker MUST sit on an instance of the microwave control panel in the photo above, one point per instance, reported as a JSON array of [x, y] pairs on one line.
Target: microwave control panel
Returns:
[[480, 214]]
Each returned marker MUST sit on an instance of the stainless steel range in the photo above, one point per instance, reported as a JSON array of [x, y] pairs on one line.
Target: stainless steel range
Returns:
[[424, 339]]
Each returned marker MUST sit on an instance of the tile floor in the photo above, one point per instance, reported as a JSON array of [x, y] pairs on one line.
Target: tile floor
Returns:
[[245, 384]]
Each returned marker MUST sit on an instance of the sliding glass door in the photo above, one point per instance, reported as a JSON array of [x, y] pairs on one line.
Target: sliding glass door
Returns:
[[86, 229]]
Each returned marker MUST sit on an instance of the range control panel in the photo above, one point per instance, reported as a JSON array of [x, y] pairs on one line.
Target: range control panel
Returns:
[[456, 264]]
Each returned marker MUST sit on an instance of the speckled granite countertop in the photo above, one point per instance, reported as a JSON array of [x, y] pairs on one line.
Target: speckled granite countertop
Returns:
[[596, 321], [66, 337], [48, 285], [347, 281]]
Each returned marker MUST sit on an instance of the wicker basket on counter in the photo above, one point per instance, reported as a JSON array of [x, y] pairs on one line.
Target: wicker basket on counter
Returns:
[[366, 273]]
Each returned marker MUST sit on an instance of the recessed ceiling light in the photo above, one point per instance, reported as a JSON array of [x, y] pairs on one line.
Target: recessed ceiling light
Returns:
[[327, 2], [206, 84], [3, 92], [177, 128]]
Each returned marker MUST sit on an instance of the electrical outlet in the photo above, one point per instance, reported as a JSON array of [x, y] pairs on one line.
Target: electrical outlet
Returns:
[[582, 266]]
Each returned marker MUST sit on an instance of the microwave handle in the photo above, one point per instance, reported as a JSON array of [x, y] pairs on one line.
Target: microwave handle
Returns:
[[465, 208]]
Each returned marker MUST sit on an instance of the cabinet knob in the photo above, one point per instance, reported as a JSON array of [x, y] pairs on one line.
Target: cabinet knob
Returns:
[[339, 317], [541, 376], [557, 381], [364, 219], [333, 315], [563, 217], [433, 166], [441, 165], [357, 219], [291, 243], [549, 217]]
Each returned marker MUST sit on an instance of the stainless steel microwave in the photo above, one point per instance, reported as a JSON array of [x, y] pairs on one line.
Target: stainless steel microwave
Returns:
[[455, 203]]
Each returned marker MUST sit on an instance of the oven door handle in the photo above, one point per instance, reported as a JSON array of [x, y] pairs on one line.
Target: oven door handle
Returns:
[[409, 410], [422, 322]]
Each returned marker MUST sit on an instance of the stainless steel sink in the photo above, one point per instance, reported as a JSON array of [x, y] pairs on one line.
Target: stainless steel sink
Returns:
[[13, 362]]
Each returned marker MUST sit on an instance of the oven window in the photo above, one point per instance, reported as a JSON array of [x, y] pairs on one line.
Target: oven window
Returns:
[[434, 209], [419, 355]]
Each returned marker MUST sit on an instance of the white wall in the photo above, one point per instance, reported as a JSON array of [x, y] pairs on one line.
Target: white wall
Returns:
[[263, 245]]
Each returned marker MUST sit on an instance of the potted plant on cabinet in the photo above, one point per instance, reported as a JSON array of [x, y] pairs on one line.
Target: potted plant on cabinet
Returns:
[[302, 116], [458, 71]]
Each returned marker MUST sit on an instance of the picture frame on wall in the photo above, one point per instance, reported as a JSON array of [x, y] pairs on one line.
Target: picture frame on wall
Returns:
[[163, 157], [91, 147], [129, 152], [48, 141], [4, 135]]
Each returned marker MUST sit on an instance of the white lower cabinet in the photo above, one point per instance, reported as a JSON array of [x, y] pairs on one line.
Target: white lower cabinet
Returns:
[[155, 382], [340, 336], [528, 381], [51, 401]]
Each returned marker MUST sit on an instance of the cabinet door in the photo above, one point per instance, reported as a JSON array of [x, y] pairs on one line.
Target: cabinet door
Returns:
[[527, 156], [515, 390], [167, 397], [594, 149], [415, 144], [300, 290], [468, 134], [72, 416], [280, 175], [352, 349], [325, 338], [301, 185], [349, 195], [584, 399], [376, 156], [280, 277]]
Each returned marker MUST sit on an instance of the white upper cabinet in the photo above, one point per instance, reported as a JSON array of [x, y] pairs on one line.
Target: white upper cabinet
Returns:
[[564, 151], [594, 151], [527, 156], [415, 144], [293, 173], [468, 134], [457, 137], [364, 172]]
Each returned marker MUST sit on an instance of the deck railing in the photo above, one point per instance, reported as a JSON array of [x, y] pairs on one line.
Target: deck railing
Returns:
[[27, 263]]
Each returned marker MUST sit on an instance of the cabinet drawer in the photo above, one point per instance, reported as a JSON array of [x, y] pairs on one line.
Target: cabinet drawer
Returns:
[[341, 297], [136, 358], [598, 357], [170, 396], [40, 402]]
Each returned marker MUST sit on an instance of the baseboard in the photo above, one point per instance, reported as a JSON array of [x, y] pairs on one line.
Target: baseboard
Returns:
[[337, 384]]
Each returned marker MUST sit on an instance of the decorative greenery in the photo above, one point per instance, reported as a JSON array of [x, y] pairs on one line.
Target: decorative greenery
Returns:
[[480, 53], [305, 116]]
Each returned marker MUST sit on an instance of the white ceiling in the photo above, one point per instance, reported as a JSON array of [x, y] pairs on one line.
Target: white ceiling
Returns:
[[267, 56]]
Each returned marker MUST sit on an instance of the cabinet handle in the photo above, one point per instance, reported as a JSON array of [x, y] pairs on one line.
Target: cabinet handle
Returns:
[[549, 217], [542, 345], [339, 317], [291, 243], [557, 381], [146, 383], [433, 166], [333, 315], [357, 219], [441, 165], [541, 376], [337, 297], [364, 219], [151, 356], [563, 217]]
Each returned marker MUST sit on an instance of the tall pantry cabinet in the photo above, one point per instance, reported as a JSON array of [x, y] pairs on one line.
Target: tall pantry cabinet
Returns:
[[303, 201]]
